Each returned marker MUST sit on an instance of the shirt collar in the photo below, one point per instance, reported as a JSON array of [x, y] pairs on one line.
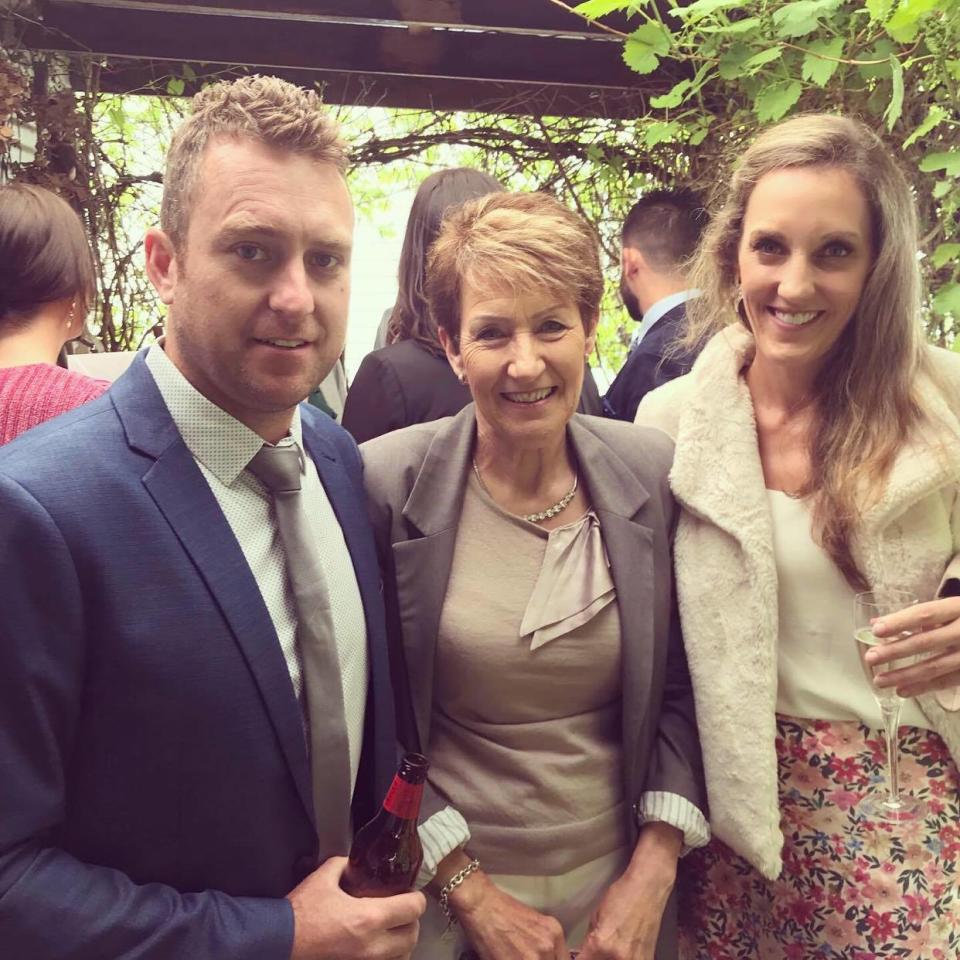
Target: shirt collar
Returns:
[[216, 439], [660, 309]]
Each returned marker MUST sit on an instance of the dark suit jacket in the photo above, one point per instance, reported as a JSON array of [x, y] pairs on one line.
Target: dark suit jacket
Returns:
[[415, 482], [650, 365], [155, 793], [404, 384]]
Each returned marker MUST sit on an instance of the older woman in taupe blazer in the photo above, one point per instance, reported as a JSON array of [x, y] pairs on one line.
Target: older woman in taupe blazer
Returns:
[[527, 575]]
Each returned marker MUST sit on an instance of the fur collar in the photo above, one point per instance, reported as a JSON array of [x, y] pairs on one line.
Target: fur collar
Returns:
[[727, 579]]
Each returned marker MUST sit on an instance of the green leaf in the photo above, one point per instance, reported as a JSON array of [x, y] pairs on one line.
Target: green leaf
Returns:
[[947, 300], [758, 60], [801, 17], [815, 68], [882, 50], [738, 26], [955, 347], [175, 86], [732, 61], [949, 161], [639, 57], [188, 72], [660, 132], [895, 107], [935, 116], [904, 25], [644, 47], [600, 8], [655, 35], [703, 8], [674, 98], [941, 188], [594, 153], [944, 253], [879, 9], [775, 100]]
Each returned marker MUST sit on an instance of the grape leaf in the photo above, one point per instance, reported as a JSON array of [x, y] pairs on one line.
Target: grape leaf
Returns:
[[895, 107], [944, 253], [947, 300], [935, 115], [949, 161], [775, 100], [815, 68]]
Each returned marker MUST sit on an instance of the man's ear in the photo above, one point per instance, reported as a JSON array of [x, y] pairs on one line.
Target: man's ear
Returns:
[[161, 263], [631, 263], [453, 355]]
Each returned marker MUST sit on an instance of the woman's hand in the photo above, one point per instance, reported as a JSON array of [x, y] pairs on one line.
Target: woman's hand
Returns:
[[934, 629], [502, 928], [627, 923]]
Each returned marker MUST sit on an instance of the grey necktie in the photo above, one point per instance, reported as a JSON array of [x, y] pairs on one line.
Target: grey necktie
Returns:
[[278, 468]]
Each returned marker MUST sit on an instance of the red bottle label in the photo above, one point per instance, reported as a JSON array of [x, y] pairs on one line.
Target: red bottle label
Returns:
[[403, 799]]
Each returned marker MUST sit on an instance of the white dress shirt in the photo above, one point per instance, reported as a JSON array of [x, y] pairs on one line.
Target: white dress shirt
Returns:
[[222, 447]]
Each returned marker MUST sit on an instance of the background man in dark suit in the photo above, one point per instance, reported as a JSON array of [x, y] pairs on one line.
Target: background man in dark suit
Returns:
[[170, 776], [660, 234]]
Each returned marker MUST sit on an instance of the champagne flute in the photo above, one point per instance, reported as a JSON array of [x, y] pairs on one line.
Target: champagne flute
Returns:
[[868, 607]]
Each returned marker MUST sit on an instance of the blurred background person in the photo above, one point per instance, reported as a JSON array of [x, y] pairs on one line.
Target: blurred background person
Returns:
[[410, 381], [817, 456], [528, 582], [47, 286], [660, 234]]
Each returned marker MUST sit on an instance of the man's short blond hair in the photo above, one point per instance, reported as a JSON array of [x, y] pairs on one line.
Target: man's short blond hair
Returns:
[[519, 241], [263, 109]]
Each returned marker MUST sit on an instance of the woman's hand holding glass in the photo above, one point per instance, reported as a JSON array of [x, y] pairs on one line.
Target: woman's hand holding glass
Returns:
[[929, 636]]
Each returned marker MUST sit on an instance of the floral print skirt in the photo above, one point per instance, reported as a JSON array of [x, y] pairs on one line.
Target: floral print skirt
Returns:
[[851, 888]]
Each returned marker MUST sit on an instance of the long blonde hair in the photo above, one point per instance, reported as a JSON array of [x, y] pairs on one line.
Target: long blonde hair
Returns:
[[866, 399]]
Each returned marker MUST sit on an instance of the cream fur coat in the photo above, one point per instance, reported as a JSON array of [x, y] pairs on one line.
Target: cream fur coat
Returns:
[[727, 577]]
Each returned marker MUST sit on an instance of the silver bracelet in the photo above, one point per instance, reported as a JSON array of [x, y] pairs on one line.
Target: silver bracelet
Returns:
[[452, 885]]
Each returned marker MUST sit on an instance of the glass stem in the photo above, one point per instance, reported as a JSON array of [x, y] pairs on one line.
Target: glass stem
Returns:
[[891, 727]]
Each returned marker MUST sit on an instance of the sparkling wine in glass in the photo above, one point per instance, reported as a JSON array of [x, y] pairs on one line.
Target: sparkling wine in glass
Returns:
[[868, 607]]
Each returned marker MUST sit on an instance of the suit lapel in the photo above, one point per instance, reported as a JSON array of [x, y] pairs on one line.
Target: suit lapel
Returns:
[[183, 496], [422, 564], [617, 496]]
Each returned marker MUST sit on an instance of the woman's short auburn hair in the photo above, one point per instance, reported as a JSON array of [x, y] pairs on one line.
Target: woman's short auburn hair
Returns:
[[44, 254], [519, 241]]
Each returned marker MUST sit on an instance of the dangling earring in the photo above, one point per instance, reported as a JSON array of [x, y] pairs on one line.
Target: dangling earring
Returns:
[[462, 377]]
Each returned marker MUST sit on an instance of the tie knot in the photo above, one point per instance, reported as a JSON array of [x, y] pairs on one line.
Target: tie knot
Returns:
[[277, 468]]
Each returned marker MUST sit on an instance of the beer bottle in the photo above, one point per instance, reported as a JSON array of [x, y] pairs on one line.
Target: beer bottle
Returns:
[[386, 853]]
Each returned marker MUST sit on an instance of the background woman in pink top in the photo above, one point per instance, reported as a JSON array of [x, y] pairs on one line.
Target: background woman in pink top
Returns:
[[46, 288]]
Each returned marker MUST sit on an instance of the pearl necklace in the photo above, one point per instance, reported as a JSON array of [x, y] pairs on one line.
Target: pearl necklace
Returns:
[[561, 504]]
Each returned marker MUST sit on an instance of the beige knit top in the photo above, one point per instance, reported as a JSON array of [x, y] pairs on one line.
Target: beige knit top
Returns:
[[526, 732]]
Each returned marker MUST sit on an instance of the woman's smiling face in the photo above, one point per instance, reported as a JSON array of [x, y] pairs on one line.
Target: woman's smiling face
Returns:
[[523, 358], [805, 252]]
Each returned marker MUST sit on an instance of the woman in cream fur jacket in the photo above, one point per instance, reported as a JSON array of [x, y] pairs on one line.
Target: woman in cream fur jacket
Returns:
[[817, 455]]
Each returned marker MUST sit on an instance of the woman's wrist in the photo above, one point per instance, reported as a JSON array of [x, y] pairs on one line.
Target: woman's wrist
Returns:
[[458, 884]]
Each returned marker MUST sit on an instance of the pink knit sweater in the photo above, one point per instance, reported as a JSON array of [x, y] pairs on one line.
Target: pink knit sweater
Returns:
[[39, 391]]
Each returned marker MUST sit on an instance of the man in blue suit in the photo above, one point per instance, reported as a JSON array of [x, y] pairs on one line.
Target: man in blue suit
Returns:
[[157, 721], [660, 234]]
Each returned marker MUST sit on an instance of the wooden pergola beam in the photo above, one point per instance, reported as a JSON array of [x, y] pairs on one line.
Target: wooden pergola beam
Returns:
[[515, 56]]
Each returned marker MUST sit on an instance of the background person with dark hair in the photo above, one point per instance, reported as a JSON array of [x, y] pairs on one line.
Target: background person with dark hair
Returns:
[[46, 288], [410, 381], [661, 232]]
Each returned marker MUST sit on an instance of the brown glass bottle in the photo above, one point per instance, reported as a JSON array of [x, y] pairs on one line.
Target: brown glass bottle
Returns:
[[386, 853]]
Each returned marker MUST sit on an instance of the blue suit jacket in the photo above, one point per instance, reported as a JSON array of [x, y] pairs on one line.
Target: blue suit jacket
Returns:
[[649, 365], [155, 796]]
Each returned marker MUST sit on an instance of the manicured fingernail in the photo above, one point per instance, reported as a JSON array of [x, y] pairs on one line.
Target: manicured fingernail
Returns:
[[871, 656], [878, 627]]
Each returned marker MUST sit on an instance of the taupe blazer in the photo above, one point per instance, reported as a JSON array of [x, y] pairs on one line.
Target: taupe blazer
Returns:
[[415, 480]]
